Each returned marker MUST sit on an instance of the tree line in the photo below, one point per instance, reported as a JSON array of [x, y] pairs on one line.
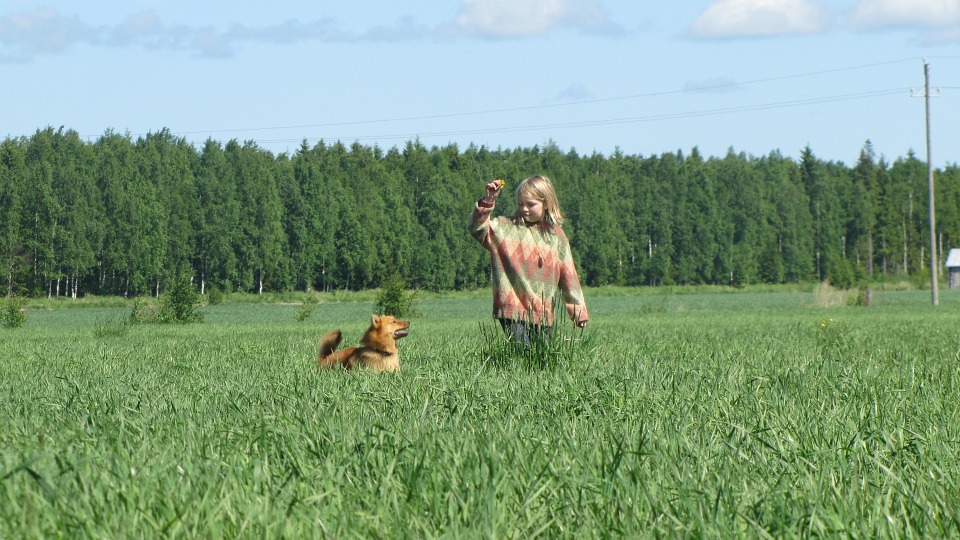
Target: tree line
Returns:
[[128, 217]]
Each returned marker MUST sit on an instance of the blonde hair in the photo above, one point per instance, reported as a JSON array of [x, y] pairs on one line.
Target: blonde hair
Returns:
[[540, 187]]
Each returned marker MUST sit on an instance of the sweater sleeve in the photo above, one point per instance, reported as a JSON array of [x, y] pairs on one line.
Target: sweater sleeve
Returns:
[[479, 223], [570, 290]]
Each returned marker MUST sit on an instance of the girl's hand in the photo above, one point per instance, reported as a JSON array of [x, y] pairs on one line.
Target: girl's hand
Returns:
[[493, 189]]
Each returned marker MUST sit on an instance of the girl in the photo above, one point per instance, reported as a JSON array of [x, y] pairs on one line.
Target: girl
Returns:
[[530, 260]]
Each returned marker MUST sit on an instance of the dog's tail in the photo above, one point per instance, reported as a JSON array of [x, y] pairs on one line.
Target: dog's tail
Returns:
[[327, 345]]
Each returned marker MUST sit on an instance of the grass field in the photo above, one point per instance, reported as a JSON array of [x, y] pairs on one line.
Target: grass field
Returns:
[[698, 414]]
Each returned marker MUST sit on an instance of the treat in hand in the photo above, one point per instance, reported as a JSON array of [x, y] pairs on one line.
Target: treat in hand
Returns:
[[493, 190]]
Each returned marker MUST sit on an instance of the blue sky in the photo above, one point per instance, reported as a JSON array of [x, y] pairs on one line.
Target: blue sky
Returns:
[[590, 75]]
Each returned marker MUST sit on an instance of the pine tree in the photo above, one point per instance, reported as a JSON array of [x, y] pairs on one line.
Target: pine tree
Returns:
[[864, 205]]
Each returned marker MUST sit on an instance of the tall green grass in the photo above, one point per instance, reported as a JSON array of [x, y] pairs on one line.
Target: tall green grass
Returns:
[[694, 414]]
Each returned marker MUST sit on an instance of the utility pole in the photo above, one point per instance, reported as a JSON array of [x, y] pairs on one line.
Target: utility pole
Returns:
[[934, 288]]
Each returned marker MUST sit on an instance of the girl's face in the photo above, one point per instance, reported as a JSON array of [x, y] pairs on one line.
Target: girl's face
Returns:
[[531, 210]]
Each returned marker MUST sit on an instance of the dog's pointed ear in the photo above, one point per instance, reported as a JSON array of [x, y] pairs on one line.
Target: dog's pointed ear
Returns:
[[374, 320]]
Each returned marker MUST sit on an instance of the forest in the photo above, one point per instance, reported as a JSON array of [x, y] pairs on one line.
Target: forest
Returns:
[[124, 216]]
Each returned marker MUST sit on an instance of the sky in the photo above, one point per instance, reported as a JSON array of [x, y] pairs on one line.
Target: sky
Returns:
[[589, 76]]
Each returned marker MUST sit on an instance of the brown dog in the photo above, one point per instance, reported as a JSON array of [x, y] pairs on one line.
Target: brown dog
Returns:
[[378, 351]]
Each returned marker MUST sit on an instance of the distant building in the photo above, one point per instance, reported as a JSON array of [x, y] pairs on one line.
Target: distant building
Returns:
[[953, 264]]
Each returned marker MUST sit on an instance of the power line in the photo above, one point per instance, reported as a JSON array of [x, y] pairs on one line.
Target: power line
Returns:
[[698, 89], [577, 124], [614, 121]]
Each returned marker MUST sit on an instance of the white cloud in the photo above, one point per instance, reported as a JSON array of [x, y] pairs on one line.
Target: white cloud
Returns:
[[27, 35], [948, 36], [886, 13], [404, 29], [739, 18], [574, 92], [525, 18], [43, 31]]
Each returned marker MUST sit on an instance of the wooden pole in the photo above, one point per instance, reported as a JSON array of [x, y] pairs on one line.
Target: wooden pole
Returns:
[[934, 289]]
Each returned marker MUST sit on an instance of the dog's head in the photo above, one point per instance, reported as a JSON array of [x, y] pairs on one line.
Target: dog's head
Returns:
[[384, 332], [388, 324]]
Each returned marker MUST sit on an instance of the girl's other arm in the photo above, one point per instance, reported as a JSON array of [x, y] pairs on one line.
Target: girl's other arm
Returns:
[[569, 284]]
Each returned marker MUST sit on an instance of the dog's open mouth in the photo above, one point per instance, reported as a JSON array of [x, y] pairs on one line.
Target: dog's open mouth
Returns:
[[400, 333]]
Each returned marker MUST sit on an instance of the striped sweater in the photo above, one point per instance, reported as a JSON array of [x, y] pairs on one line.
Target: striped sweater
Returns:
[[529, 265]]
